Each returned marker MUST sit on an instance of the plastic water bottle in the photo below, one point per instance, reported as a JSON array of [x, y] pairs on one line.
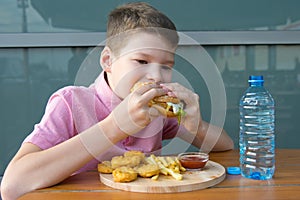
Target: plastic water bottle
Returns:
[[257, 125]]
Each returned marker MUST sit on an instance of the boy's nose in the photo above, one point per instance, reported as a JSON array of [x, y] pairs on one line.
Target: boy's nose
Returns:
[[154, 73]]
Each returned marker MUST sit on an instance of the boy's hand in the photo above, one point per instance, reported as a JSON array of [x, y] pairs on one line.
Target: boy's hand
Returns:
[[133, 113], [192, 116]]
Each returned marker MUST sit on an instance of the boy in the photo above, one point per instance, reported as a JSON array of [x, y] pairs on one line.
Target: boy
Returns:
[[82, 126]]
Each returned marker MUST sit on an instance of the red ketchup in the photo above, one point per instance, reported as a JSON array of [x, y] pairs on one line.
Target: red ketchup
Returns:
[[193, 161]]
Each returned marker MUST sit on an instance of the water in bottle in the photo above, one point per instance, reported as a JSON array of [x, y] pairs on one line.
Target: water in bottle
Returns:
[[257, 125]]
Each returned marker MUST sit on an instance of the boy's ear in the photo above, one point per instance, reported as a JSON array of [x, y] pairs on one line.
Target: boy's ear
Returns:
[[106, 59]]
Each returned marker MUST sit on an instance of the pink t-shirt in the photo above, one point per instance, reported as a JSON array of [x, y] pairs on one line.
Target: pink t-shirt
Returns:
[[73, 109]]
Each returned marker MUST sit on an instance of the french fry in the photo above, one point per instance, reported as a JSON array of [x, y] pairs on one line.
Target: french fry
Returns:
[[175, 175], [155, 159], [165, 170], [170, 161], [155, 178], [152, 160], [180, 166], [163, 161]]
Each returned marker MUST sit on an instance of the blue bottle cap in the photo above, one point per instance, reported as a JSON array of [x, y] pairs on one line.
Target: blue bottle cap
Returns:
[[259, 79], [233, 170], [256, 80]]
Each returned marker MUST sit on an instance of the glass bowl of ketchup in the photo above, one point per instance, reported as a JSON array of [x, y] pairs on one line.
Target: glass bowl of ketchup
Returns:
[[193, 160]]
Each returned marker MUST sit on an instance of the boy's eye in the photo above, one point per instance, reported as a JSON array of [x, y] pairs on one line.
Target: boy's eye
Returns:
[[165, 67], [142, 62]]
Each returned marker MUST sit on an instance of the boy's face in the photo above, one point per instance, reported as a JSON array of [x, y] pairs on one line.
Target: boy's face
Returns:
[[146, 57]]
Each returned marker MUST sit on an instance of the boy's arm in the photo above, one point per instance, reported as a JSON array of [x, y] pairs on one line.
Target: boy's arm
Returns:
[[33, 168], [210, 137]]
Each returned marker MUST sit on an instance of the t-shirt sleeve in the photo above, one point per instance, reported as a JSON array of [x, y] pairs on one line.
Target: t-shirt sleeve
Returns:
[[56, 125], [171, 128]]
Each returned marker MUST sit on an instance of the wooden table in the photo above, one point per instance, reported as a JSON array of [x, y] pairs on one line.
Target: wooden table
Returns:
[[284, 185]]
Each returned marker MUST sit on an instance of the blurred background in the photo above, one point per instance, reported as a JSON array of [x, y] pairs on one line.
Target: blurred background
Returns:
[[43, 43]]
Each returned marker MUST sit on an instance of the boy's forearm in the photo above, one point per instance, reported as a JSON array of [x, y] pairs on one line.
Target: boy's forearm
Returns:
[[33, 168], [224, 142], [208, 138], [213, 138]]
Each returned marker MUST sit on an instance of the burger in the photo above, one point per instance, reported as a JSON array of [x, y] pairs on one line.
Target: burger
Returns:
[[168, 106]]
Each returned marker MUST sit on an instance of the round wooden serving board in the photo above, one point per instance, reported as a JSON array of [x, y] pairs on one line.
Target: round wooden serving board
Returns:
[[212, 174]]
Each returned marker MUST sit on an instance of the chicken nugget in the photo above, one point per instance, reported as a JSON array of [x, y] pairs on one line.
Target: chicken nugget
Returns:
[[148, 170], [134, 153], [124, 174], [131, 161], [105, 167]]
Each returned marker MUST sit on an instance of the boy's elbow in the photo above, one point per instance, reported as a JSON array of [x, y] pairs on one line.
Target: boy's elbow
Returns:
[[7, 192], [230, 147], [224, 146], [226, 142], [10, 190]]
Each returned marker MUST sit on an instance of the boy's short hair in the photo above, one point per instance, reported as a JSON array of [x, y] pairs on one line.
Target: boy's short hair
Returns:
[[138, 16]]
